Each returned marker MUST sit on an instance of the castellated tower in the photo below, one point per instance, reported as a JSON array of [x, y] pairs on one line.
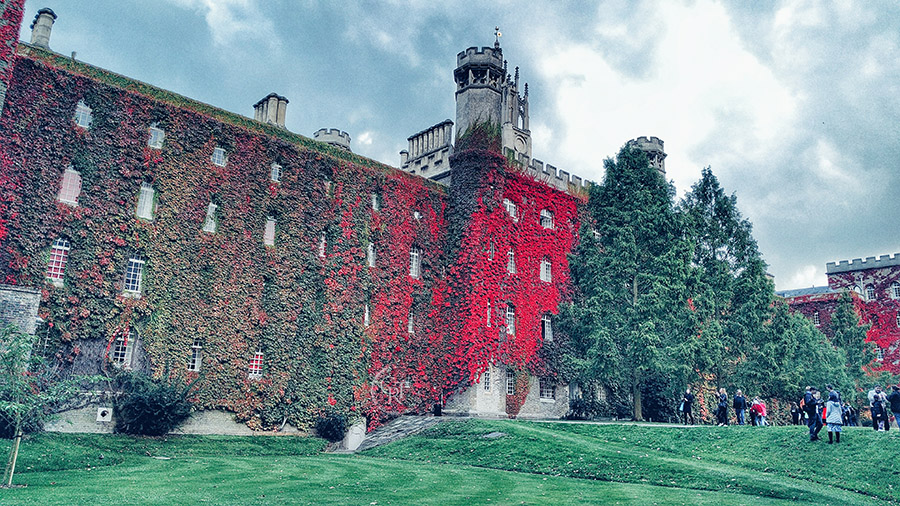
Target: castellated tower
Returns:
[[653, 146], [485, 92]]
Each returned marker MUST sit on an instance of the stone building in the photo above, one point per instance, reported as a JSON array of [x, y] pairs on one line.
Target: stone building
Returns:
[[294, 274]]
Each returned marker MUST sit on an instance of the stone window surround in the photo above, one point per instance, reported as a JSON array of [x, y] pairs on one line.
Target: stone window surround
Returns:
[[134, 274], [546, 390]]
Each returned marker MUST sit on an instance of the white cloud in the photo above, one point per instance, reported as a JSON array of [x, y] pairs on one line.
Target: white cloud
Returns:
[[365, 138], [232, 19], [808, 276]]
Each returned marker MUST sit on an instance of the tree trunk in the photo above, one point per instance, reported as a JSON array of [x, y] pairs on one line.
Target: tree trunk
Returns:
[[11, 463], [636, 393]]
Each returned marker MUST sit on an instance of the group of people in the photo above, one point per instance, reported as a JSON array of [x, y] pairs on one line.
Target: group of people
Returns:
[[756, 408], [882, 405], [829, 413]]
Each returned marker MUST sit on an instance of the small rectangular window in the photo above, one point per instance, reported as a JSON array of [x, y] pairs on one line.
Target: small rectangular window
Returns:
[[370, 255], [366, 316], [511, 262], [879, 354], [491, 251], [415, 263], [218, 157], [546, 328], [546, 219], [123, 350], [196, 356], [547, 389], [510, 320], [209, 223], [486, 380], [511, 209], [83, 116], [870, 293], [895, 290], [269, 233], [145, 202], [70, 188], [510, 382], [488, 314], [275, 173], [254, 369], [376, 202], [898, 318], [816, 320], [546, 271], [157, 137], [59, 256], [134, 273], [410, 324], [323, 244]]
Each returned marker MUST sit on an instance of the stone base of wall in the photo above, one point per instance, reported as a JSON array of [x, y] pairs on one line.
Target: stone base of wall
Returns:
[[477, 402]]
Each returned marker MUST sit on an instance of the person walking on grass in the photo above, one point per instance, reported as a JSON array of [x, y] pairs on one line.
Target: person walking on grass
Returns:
[[795, 414], [687, 403], [722, 411], [810, 406], [758, 408], [740, 406], [833, 417], [877, 401], [894, 401]]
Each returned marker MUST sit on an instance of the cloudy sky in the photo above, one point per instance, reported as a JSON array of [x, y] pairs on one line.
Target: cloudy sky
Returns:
[[795, 105]]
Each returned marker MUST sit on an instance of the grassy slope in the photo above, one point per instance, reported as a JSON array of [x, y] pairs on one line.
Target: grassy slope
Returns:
[[535, 463]]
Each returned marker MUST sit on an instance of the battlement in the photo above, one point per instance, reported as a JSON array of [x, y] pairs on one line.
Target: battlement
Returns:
[[487, 55], [858, 264], [429, 151], [333, 136], [551, 176], [654, 147]]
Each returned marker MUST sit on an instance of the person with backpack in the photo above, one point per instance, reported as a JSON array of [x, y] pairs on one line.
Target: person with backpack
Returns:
[[810, 407], [877, 401], [740, 406]]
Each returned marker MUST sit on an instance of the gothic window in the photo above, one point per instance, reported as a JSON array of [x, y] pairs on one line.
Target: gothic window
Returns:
[[134, 273], [486, 379], [123, 350], [510, 382], [370, 254], [254, 368], [546, 328], [70, 188], [83, 115], [157, 137], [218, 157], [196, 356], [145, 201], [510, 320], [870, 293], [415, 263], [547, 389], [56, 265], [895, 290], [209, 223], [816, 319], [546, 270], [269, 233], [275, 172], [511, 262], [546, 219], [511, 209]]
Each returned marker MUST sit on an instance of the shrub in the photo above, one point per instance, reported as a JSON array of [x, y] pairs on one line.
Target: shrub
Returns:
[[332, 426], [150, 407]]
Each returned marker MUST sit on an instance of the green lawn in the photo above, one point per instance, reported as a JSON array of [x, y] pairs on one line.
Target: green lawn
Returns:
[[533, 463]]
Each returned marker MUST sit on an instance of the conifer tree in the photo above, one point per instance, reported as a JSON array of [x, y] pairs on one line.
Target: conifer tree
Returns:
[[730, 292], [850, 336], [630, 277]]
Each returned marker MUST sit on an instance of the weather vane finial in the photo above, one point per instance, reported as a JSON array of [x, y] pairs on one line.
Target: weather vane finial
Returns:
[[497, 34]]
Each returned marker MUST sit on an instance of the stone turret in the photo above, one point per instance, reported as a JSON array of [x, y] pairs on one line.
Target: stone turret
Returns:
[[333, 136], [479, 76], [653, 146], [41, 27], [271, 109]]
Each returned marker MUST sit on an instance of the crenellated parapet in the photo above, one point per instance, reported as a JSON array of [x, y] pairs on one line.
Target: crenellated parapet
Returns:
[[858, 264], [484, 56], [429, 152], [654, 148], [551, 176], [333, 136]]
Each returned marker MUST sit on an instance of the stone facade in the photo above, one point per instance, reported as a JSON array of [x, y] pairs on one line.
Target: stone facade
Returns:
[[19, 306]]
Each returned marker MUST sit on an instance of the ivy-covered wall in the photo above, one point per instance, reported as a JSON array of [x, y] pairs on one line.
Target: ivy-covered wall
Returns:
[[301, 305]]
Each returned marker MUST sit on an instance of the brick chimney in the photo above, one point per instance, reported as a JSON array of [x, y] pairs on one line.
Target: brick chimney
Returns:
[[41, 27], [271, 109]]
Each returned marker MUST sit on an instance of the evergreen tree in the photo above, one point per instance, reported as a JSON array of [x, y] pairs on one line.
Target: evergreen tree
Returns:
[[630, 277], [850, 336], [730, 292]]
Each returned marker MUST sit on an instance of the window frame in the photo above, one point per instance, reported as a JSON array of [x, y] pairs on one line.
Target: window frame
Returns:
[[146, 203], [546, 390], [371, 254], [70, 187], [547, 328], [511, 209], [255, 366], [269, 231], [121, 351], [210, 222], [510, 261], [817, 320], [415, 263], [546, 219], [275, 172], [510, 321], [546, 273], [84, 115], [134, 275], [195, 361], [56, 262], [510, 382], [486, 379], [870, 293], [895, 290], [159, 134], [219, 157]]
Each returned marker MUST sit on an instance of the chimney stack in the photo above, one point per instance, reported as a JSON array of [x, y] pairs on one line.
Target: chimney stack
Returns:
[[41, 27], [271, 109]]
